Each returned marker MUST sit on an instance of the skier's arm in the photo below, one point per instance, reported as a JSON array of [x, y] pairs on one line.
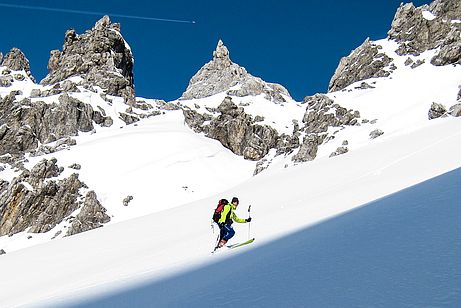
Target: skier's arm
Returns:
[[237, 219]]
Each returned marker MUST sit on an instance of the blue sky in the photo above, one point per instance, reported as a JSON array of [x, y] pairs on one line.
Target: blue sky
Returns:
[[292, 42]]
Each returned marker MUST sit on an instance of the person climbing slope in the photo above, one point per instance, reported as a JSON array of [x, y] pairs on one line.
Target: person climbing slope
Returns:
[[228, 216]]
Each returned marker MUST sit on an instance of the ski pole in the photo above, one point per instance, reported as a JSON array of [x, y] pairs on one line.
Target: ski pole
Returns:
[[249, 224]]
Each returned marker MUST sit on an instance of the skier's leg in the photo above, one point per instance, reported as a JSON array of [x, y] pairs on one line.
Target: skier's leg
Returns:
[[227, 232], [222, 233], [230, 233]]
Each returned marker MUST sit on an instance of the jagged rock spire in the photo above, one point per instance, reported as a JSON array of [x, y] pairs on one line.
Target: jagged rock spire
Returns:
[[221, 74], [15, 60], [448, 9], [221, 53], [100, 56]]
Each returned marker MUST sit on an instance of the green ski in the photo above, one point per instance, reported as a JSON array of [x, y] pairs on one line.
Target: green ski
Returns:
[[241, 244]]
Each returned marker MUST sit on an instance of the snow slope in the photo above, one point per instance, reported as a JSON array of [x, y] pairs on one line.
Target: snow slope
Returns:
[[400, 251], [131, 262], [360, 229]]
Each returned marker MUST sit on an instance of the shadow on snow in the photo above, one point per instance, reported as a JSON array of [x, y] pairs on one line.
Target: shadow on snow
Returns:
[[401, 250]]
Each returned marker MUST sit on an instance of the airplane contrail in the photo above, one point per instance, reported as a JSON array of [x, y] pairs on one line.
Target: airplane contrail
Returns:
[[42, 8]]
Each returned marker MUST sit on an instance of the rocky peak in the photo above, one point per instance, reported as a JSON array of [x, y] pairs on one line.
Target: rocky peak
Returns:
[[364, 62], [221, 74], [415, 32], [447, 9], [15, 60], [418, 29], [100, 56], [221, 55]]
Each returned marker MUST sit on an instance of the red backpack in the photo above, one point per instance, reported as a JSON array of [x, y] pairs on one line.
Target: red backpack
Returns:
[[218, 210]]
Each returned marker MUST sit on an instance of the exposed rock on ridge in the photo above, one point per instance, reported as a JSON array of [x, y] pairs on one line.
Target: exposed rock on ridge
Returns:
[[418, 29], [235, 129], [240, 132], [36, 202], [15, 60], [100, 56], [25, 124], [221, 74], [364, 62], [91, 216], [321, 114]]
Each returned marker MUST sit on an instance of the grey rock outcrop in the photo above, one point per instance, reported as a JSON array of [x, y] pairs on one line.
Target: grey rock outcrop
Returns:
[[448, 9], [242, 134], [127, 200], [37, 202], [100, 56], [235, 129], [26, 123], [416, 34], [455, 110], [321, 114], [437, 111], [450, 52], [15, 60], [221, 74], [308, 149], [339, 151], [415, 31], [364, 62], [376, 133], [92, 215], [440, 111]]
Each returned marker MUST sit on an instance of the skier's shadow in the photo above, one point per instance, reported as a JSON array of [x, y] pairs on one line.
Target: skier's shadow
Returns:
[[401, 250]]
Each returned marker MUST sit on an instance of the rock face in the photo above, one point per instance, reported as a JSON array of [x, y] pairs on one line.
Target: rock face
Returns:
[[91, 216], [364, 62], [221, 74], [418, 29], [321, 114], [100, 56], [308, 149], [439, 111], [13, 63], [37, 202], [236, 130], [15, 60], [25, 124], [242, 134]]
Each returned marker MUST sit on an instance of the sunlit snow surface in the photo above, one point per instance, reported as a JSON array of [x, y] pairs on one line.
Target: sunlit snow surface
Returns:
[[377, 226]]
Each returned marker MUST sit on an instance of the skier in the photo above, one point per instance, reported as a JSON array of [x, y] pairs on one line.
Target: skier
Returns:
[[225, 222]]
